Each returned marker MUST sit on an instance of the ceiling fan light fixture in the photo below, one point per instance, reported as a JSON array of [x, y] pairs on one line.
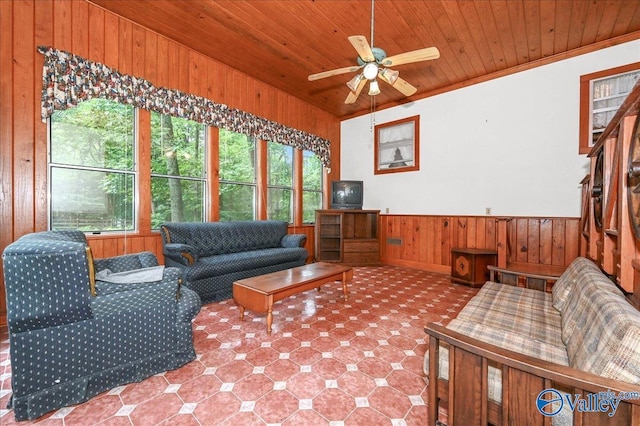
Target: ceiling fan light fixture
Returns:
[[374, 88], [373, 62], [355, 82], [390, 75], [370, 71]]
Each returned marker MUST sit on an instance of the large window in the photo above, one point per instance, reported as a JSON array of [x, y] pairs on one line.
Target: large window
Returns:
[[237, 176], [96, 185], [91, 167], [178, 179], [311, 186], [279, 182], [601, 94]]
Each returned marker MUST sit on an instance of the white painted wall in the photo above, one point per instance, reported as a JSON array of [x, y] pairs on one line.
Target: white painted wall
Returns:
[[510, 144]]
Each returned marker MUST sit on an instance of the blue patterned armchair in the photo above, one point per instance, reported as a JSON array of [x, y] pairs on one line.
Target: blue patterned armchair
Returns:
[[66, 345]]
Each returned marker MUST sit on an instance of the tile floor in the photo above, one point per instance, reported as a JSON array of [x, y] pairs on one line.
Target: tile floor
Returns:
[[327, 362]]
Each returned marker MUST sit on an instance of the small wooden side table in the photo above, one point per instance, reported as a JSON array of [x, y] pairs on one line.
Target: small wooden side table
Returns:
[[469, 265]]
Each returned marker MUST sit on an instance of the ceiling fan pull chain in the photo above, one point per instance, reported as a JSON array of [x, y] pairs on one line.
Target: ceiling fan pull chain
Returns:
[[372, 7]]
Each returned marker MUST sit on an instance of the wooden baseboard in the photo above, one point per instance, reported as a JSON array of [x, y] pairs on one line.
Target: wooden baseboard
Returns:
[[429, 267]]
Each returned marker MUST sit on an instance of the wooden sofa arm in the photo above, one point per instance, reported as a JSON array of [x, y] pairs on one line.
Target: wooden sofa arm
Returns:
[[523, 378], [535, 277]]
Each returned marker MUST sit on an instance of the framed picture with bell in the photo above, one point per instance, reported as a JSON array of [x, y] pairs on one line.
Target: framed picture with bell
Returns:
[[397, 146]]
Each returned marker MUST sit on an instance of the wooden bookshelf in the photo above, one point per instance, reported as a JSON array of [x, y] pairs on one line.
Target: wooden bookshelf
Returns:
[[348, 236]]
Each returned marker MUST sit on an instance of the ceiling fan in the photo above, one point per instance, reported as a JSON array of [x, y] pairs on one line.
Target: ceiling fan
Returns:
[[374, 63]]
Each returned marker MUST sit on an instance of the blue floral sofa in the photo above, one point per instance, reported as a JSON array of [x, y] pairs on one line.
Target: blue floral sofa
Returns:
[[66, 345], [212, 255]]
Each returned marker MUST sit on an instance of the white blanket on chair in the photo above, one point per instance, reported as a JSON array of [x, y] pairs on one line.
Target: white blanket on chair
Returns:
[[143, 275]]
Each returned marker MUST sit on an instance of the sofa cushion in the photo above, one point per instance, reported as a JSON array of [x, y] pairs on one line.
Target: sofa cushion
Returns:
[[222, 264], [579, 269], [623, 362], [29, 262], [127, 262], [511, 340], [577, 310], [606, 341], [515, 309]]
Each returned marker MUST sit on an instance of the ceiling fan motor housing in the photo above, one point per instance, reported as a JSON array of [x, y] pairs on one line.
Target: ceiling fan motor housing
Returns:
[[378, 54]]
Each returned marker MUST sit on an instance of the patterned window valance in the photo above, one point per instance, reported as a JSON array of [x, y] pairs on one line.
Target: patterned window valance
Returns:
[[68, 79]]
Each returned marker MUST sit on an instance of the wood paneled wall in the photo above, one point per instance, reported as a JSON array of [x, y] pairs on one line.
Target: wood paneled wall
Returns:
[[425, 242], [91, 32]]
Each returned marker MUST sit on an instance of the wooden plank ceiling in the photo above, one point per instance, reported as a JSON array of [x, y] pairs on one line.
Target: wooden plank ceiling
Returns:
[[282, 42]]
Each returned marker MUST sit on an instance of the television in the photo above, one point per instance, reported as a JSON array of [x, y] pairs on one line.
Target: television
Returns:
[[347, 194]]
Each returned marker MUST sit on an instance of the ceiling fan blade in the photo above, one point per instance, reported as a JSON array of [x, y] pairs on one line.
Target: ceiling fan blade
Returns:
[[331, 73], [406, 88], [362, 47], [352, 96], [425, 54], [400, 85]]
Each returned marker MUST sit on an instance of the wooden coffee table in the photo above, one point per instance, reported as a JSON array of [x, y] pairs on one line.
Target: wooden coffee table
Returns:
[[259, 293]]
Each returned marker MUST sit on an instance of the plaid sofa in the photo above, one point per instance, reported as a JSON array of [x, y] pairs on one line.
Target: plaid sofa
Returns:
[[212, 255], [585, 323]]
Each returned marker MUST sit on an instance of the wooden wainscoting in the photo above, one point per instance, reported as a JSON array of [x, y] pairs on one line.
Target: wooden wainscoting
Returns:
[[115, 245], [425, 242]]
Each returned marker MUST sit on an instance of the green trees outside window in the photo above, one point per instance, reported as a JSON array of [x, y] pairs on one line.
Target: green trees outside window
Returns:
[[280, 182], [237, 195], [94, 177], [91, 167], [178, 178], [311, 186]]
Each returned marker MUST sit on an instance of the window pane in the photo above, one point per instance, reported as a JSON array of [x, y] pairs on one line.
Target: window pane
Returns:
[[176, 200], [177, 149], [237, 157], [280, 165], [607, 94], [91, 200], [237, 202], [279, 204], [311, 171], [177, 146], [311, 201], [96, 133], [312, 185]]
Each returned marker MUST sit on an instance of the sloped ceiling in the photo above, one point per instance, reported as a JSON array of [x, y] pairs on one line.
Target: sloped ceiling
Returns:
[[282, 42]]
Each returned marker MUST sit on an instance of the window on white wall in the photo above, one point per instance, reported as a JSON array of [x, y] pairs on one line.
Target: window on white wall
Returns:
[[601, 94]]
